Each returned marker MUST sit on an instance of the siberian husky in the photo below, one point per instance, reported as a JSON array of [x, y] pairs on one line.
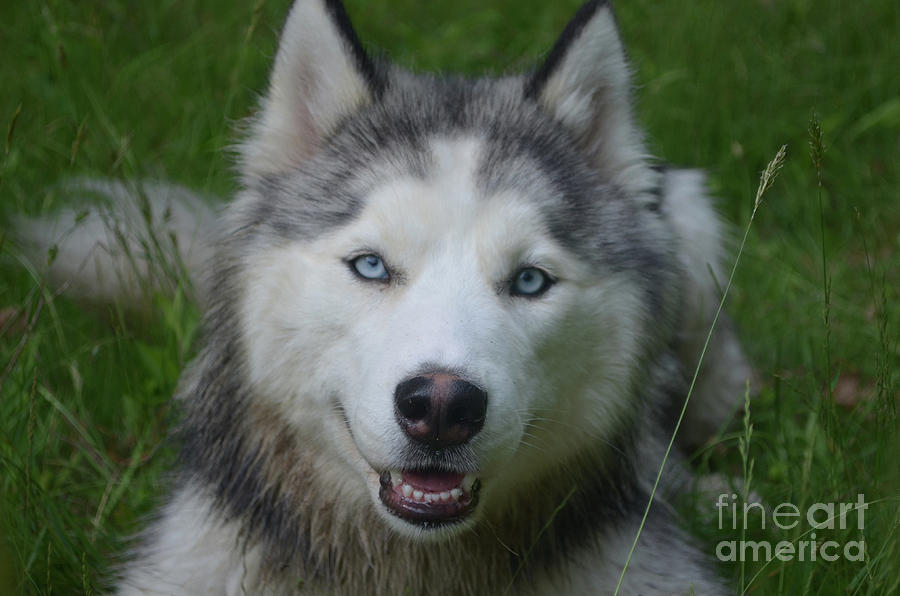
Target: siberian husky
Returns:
[[449, 324]]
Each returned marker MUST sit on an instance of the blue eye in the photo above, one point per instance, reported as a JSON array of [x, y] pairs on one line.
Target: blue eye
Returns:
[[370, 267], [530, 282]]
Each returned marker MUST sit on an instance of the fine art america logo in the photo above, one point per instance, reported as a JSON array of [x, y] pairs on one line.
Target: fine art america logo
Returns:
[[787, 516]]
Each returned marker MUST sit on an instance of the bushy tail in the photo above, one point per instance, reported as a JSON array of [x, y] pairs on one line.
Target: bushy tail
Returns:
[[725, 370], [128, 241]]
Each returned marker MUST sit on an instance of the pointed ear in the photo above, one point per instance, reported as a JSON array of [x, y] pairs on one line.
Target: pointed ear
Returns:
[[585, 83], [321, 76]]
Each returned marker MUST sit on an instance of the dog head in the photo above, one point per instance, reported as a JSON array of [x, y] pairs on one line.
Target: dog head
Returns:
[[447, 283]]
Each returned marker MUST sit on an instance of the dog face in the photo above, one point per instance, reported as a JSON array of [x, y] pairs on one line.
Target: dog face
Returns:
[[452, 281]]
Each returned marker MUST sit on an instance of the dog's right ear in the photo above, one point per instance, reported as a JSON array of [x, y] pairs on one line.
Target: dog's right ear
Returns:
[[322, 75]]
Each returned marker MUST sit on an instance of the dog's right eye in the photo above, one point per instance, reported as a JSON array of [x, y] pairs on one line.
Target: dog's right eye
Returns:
[[370, 267]]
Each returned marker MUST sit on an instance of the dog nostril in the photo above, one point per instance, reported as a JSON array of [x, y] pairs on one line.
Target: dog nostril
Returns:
[[413, 403], [415, 407], [467, 406]]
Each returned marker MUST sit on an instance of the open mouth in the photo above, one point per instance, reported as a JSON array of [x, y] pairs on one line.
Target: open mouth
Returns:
[[429, 498]]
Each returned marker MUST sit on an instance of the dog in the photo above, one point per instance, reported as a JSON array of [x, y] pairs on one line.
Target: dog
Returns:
[[450, 324]]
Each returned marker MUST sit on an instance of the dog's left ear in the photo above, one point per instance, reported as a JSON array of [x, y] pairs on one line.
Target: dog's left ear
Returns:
[[585, 83], [322, 75]]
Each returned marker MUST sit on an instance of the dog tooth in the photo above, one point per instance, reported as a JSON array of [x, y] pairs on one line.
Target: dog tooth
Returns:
[[455, 493], [407, 490], [445, 496], [417, 495], [468, 481], [396, 479], [429, 497]]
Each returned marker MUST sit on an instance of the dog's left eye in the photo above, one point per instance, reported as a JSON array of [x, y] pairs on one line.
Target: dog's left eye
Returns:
[[370, 267], [530, 282]]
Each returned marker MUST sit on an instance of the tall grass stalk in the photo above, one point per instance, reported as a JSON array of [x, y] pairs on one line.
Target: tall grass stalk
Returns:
[[766, 179], [827, 405], [747, 466]]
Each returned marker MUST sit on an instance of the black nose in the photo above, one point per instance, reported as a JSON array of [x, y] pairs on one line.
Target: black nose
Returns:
[[440, 409]]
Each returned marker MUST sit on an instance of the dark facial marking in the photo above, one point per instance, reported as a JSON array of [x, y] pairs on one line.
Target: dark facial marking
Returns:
[[366, 66]]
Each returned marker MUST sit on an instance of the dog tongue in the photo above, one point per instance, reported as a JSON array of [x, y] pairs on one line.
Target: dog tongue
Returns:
[[433, 482]]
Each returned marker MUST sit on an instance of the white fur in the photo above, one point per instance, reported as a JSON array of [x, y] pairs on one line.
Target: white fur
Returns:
[[192, 535]]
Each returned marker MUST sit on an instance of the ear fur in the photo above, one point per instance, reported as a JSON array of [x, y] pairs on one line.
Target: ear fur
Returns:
[[321, 76], [585, 83]]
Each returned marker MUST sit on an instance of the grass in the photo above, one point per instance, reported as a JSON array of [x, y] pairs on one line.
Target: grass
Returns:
[[154, 89]]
